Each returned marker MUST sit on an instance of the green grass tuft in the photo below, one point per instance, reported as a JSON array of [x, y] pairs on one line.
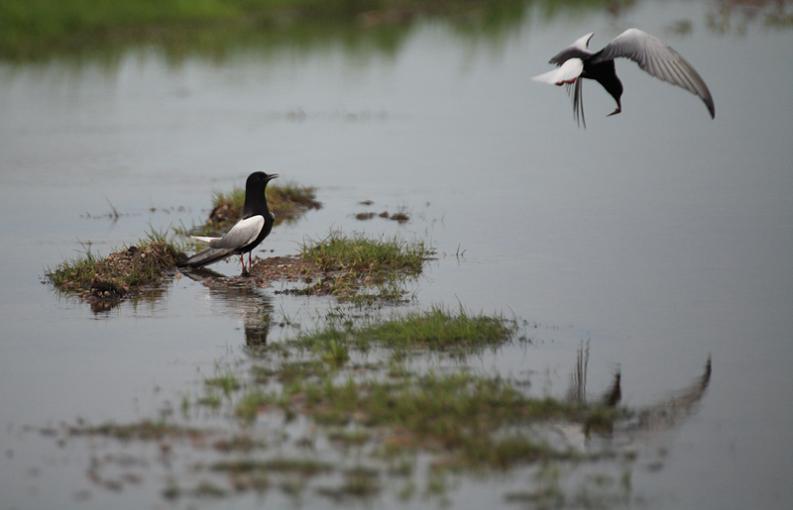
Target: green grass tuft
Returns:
[[339, 252], [358, 269], [436, 330], [121, 273]]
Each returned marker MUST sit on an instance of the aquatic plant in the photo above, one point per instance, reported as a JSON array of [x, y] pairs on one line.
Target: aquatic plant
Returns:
[[436, 329]]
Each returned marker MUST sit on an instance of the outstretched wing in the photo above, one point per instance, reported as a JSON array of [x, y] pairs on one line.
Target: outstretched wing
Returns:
[[577, 50], [657, 59], [242, 233]]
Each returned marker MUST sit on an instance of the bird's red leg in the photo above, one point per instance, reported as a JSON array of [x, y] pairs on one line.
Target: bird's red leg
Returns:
[[250, 261], [242, 262]]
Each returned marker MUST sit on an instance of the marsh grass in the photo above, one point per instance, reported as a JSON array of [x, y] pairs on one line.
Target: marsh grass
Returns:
[[379, 258], [360, 269], [145, 430], [436, 329], [383, 414], [288, 202], [227, 383], [250, 404], [473, 421], [121, 273], [279, 465]]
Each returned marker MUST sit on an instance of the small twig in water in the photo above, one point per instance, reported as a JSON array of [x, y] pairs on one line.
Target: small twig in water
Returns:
[[114, 214]]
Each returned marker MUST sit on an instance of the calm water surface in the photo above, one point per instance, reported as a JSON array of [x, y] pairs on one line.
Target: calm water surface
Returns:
[[660, 236]]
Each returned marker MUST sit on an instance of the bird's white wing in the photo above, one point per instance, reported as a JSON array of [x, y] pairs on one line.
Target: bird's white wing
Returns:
[[579, 49], [582, 43], [243, 232], [657, 59], [568, 72]]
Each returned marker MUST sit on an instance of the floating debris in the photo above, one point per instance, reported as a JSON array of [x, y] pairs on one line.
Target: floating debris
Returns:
[[400, 217]]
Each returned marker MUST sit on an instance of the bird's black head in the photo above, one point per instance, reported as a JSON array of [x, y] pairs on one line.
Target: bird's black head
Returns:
[[259, 179], [255, 201]]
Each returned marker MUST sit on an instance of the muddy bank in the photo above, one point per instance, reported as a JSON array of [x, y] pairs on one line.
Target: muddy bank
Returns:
[[348, 267], [135, 271]]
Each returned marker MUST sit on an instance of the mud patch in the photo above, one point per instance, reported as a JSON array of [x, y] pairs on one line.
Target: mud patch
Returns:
[[363, 216]]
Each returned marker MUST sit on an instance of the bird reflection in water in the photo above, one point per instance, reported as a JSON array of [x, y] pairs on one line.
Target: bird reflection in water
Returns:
[[576, 392], [672, 410], [239, 296], [664, 414]]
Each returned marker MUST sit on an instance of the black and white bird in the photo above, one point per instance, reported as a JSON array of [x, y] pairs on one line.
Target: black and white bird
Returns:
[[652, 55], [255, 224]]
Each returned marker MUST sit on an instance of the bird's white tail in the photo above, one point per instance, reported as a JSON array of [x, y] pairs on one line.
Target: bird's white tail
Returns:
[[565, 73]]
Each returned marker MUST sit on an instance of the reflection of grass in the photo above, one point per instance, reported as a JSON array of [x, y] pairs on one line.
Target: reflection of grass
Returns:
[[30, 28]]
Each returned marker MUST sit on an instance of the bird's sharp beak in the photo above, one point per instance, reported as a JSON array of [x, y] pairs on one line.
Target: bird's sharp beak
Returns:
[[272, 176]]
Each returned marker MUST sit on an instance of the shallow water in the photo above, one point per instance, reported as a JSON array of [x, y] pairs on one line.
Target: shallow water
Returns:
[[659, 236]]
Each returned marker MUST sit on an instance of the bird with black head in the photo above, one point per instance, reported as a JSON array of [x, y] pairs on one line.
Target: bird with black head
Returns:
[[577, 62], [256, 223]]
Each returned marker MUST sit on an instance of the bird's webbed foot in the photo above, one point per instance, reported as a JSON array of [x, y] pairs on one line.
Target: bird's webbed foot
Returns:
[[615, 112]]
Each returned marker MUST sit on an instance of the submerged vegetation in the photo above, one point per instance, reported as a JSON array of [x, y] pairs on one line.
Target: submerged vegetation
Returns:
[[464, 422], [105, 281], [471, 421], [376, 419], [145, 430]]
